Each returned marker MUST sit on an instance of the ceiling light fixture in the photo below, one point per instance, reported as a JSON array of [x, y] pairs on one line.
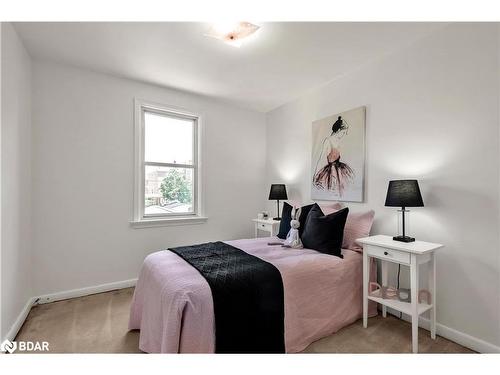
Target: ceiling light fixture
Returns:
[[232, 33]]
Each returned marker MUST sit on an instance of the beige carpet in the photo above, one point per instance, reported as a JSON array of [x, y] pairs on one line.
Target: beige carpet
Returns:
[[98, 324]]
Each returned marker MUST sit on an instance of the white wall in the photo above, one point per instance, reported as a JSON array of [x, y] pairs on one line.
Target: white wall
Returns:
[[432, 114], [83, 176], [16, 178]]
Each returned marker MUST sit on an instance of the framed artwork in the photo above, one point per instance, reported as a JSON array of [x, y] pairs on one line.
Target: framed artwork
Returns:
[[338, 157]]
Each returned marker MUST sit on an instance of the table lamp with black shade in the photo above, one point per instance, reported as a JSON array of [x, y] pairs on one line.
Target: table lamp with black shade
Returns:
[[278, 192], [404, 193]]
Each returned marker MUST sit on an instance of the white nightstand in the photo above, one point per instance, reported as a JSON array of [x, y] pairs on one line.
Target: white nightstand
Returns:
[[411, 254], [267, 225]]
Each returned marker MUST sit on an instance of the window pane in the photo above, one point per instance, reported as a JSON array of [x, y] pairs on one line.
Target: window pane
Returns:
[[168, 139], [168, 190]]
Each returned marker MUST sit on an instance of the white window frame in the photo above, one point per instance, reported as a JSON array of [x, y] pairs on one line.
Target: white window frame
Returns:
[[140, 220]]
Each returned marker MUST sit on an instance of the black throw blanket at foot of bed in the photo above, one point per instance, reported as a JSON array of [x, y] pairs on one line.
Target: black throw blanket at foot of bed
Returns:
[[247, 294]]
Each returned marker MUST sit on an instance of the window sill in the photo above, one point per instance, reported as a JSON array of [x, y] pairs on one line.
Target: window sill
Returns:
[[166, 222]]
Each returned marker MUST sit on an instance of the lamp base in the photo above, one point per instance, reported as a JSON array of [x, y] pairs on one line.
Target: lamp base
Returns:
[[403, 239], [277, 218]]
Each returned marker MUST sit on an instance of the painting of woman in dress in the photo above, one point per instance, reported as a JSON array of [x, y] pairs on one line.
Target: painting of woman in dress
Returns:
[[338, 157]]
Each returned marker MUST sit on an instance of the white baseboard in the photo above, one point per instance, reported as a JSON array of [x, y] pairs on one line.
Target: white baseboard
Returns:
[[12, 333], [73, 293], [461, 338], [47, 298]]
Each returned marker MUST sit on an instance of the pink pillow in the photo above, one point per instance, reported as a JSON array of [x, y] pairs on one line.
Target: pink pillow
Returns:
[[330, 208], [358, 225]]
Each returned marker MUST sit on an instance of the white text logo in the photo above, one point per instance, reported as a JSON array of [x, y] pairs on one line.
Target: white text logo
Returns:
[[8, 346], [24, 346]]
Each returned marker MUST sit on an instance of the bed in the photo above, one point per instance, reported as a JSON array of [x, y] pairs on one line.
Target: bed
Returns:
[[173, 307]]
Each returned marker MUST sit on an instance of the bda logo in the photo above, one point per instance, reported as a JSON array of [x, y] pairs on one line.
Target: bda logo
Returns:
[[8, 346], [24, 346]]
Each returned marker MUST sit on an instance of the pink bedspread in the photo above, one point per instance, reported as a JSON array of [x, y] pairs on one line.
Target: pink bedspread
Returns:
[[173, 307]]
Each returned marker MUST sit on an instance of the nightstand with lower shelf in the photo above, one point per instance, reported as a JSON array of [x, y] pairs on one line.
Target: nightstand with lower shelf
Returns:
[[412, 254]]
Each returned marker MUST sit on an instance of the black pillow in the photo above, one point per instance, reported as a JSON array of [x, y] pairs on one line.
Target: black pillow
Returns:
[[286, 217], [325, 233]]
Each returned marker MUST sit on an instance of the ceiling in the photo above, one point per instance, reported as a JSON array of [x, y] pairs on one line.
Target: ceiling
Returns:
[[278, 64]]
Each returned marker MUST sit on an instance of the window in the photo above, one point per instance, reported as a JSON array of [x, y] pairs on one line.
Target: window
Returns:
[[167, 165]]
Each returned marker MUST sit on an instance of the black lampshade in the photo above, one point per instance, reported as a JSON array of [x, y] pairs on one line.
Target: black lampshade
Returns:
[[404, 193], [278, 191]]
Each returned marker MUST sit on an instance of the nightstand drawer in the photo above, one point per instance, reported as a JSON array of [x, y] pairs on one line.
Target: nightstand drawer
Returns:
[[267, 227], [388, 254]]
